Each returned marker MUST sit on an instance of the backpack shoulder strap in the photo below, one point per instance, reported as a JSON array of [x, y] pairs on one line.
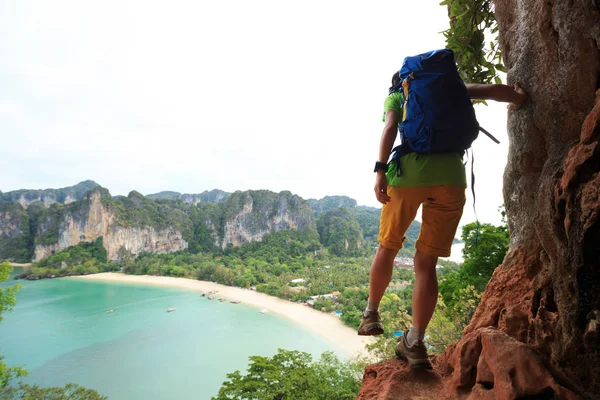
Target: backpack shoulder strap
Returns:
[[489, 135]]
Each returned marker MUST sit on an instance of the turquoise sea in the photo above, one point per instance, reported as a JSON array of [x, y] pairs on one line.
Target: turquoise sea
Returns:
[[61, 333]]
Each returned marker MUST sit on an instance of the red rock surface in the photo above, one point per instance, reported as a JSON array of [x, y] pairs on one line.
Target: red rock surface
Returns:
[[395, 380], [535, 333], [484, 364]]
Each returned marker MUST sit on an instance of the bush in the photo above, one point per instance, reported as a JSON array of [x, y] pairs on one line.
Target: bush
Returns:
[[85, 258]]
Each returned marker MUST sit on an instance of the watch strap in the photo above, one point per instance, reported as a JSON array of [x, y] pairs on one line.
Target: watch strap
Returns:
[[380, 165]]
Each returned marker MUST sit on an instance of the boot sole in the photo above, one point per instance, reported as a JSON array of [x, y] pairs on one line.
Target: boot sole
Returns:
[[415, 364], [372, 332]]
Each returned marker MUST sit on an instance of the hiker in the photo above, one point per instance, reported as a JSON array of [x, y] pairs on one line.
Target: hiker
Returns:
[[438, 183]]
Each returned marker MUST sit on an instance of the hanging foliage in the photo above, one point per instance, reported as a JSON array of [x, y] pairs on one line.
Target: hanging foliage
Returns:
[[471, 21]]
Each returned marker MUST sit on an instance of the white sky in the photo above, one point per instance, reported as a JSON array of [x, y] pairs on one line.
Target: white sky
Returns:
[[229, 94]]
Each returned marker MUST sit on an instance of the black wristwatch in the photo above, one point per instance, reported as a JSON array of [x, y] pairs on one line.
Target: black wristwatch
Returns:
[[380, 165]]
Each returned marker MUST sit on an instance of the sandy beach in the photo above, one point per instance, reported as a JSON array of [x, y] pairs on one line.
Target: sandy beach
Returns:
[[28, 265], [325, 325]]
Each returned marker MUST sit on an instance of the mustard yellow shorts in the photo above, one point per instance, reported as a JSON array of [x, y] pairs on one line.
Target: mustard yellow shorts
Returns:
[[442, 209]]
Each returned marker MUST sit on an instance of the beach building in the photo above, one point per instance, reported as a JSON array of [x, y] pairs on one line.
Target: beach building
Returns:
[[397, 286], [403, 262], [297, 281], [333, 296]]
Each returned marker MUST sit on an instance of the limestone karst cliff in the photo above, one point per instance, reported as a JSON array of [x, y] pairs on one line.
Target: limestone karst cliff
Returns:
[[127, 228], [248, 216]]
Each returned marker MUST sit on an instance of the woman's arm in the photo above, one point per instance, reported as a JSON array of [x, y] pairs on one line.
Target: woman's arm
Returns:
[[498, 92]]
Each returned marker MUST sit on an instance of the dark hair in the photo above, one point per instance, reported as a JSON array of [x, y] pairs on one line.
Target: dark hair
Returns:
[[396, 78], [396, 83]]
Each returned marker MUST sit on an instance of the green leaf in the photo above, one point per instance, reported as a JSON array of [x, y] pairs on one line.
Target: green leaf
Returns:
[[469, 22]]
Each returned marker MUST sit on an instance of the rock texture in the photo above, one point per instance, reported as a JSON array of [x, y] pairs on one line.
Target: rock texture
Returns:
[[394, 379], [249, 216], [95, 219], [534, 335], [486, 364]]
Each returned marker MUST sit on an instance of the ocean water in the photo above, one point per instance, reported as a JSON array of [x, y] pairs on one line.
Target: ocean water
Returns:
[[61, 333]]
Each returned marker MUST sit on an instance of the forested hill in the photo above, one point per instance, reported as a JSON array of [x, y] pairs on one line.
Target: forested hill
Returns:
[[329, 203], [212, 196]]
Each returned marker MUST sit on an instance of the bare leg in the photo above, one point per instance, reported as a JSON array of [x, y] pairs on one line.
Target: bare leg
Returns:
[[425, 292], [381, 274]]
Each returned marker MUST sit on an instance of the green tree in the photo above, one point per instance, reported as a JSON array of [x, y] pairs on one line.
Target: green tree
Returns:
[[8, 300], [292, 375], [340, 232], [481, 257], [16, 243], [70, 391], [470, 21], [484, 251]]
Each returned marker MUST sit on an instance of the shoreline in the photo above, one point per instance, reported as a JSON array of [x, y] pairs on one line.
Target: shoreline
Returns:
[[20, 265], [322, 324]]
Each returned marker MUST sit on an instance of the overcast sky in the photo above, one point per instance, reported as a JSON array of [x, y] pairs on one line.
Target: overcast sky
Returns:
[[229, 94]]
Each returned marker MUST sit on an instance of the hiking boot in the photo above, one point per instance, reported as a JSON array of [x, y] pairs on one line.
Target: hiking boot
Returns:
[[371, 324], [416, 354]]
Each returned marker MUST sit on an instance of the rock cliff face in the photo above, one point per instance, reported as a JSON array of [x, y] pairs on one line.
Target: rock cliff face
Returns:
[[251, 215], [94, 218], [535, 333]]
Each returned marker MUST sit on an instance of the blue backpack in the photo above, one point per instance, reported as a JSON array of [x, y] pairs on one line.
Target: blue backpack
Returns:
[[438, 114]]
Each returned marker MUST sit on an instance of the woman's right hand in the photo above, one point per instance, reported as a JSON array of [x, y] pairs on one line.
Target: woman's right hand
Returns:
[[381, 185]]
